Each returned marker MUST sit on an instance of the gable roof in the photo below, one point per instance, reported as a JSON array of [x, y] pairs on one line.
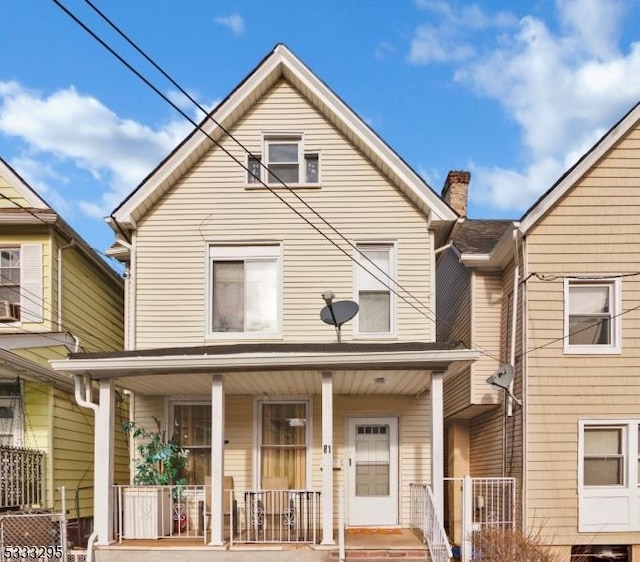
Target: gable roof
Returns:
[[40, 212], [21, 187], [581, 167], [280, 63]]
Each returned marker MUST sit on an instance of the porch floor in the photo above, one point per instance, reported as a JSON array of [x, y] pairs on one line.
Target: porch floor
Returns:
[[372, 544]]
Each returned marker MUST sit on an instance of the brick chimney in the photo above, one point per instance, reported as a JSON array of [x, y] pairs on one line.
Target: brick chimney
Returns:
[[455, 190]]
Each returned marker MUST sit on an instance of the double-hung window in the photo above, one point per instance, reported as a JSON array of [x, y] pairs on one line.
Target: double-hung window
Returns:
[[609, 475], [246, 292], [283, 441], [592, 316], [192, 430], [21, 285], [11, 414], [286, 162], [374, 274]]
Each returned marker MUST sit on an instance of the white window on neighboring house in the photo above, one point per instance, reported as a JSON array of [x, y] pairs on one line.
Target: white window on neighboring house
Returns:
[[245, 291], [608, 475], [592, 316], [283, 438], [11, 414], [373, 274], [21, 283], [286, 162]]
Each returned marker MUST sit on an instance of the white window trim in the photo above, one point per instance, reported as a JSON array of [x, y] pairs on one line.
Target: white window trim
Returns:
[[624, 501], [615, 347], [240, 252], [269, 137], [257, 427], [357, 334]]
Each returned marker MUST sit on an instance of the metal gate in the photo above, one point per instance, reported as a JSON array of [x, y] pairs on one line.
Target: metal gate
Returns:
[[32, 535], [473, 504]]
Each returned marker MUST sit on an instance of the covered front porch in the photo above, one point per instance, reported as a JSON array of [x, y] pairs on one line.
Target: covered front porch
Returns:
[[363, 423]]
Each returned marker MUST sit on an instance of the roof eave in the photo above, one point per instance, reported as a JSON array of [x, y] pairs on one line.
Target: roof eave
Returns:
[[132, 366]]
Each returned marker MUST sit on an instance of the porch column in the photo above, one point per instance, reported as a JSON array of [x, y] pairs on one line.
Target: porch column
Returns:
[[217, 460], [437, 442], [103, 467], [327, 458]]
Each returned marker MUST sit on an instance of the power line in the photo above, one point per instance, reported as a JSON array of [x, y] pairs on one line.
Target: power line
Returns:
[[241, 164]]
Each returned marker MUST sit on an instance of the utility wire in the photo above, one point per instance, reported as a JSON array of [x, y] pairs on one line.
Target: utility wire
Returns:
[[235, 159], [208, 115]]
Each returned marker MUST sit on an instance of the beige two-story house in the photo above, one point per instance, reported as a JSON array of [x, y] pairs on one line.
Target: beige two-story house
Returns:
[[554, 296], [280, 322]]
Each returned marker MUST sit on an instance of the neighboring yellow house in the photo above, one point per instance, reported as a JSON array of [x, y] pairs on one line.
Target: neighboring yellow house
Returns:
[[570, 269], [57, 296], [230, 257]]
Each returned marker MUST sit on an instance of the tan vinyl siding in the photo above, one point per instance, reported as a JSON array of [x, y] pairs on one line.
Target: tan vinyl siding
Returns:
[[487, 313], [211, 205], [487, 435], [240, 424], [453, 305], [594, 229]]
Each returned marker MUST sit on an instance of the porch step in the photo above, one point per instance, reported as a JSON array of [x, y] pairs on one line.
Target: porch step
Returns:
[[378, 555]]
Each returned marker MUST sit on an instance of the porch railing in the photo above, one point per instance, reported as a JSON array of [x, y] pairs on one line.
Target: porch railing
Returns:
[[21, 477], [253, 516], [424, 518]]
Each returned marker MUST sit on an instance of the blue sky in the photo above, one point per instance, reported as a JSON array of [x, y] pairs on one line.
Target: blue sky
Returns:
[[514, 92]]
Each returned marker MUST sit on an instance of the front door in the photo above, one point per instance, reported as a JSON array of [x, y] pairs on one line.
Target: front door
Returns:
[[372, 471]]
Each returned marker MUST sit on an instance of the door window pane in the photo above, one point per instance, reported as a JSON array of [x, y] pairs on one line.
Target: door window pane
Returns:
[[373, 460], [603, 456]]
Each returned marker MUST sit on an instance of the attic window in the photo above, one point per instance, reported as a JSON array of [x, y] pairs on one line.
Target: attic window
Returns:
[[284, 162]]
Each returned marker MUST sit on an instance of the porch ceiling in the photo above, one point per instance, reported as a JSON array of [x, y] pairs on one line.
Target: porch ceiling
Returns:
[[273, 368], [282, 383]]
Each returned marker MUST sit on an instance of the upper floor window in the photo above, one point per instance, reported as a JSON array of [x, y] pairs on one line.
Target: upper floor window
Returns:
[[592, 316], [11, 414], [246, 292], [9, 284], [374, 271], [285, 161]]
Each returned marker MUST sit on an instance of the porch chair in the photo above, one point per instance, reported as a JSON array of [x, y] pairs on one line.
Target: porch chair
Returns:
[[229, 503], [278, 509]]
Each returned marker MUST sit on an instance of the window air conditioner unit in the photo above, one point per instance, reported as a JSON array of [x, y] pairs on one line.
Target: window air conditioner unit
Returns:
[[8, 312]]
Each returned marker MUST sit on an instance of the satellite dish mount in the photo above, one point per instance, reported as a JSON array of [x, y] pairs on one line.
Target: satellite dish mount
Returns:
[[337, 313]]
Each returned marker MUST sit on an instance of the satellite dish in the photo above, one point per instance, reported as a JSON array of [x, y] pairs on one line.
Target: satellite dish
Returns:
[[338, 313], [503, 378]]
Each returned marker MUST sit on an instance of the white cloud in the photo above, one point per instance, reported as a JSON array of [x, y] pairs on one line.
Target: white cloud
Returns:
[[235, 22], [437, 44], [563, 88], [80, 130]]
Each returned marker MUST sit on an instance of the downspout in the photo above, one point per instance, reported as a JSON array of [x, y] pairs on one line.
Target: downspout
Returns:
[[71, 244], [84, 399], [514, 319], [525, 386]]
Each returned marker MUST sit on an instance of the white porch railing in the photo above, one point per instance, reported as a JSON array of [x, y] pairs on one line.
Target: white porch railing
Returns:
[[425, 518], [254, 516]]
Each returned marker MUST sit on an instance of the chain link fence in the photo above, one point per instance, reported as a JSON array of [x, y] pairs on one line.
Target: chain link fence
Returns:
[[29, 536]]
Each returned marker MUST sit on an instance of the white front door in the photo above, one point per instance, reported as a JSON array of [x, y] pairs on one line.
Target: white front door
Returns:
[[372, 471]]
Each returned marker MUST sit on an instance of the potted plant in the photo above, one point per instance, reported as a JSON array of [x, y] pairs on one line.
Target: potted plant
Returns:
[[159, 466]]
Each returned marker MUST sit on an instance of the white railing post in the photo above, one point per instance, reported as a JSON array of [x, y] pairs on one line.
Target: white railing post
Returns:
[[467, 519], [341, 514]]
